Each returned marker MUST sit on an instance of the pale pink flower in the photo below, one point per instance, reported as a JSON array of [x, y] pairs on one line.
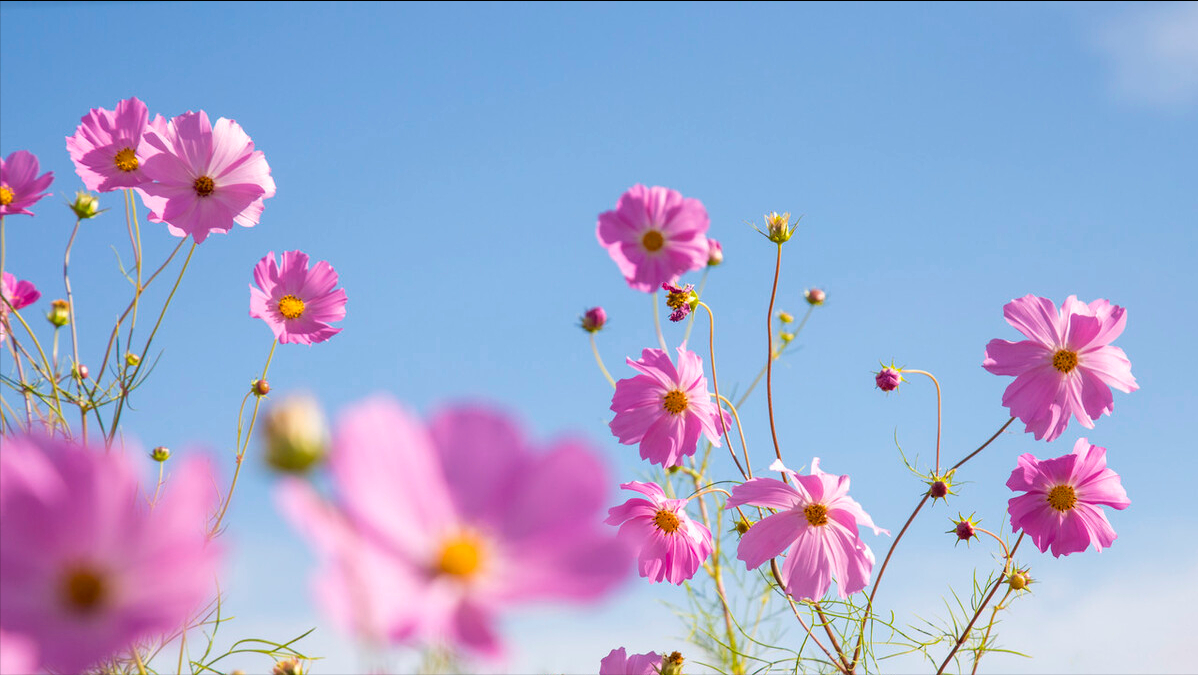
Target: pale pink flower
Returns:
[[1067, 367], [1060, 508], [654, 235], [817, 521], [439, 529], [666, 408], [106, 144], [17, 294], [86, 567], [296, 302], [18, 654], [206, 177], [669, 545], [618, 662], [20, 186]]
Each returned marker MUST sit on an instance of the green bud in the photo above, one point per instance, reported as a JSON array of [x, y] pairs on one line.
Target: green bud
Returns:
[[296, 434], [86, 205], [60, 313], [160, 453], [132, 359]]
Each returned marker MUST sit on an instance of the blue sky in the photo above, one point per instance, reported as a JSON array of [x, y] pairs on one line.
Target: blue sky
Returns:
[[450, 161]]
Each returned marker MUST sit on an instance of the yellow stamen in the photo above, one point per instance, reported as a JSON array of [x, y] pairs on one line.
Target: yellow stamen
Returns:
[[653, 241], [83, 590], [126, 161], [1064, 360], [1062, 497], [666, 521], [291, 307], [204, 186], [6, 196], [816, 514], [675, 401], [461, 556]]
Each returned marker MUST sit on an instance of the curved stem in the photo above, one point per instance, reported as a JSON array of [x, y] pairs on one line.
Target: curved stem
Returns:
[[740, 428], [997, 584], [698, 293], [938, 410], [599, 360], [769, 363], [716, 385], [661, 339], [838, 660]]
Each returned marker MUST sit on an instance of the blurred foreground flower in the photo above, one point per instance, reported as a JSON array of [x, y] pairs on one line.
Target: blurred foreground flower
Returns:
[[296, 302], [655, 235], [618, 662], [20, 186], [296, 434], [17, 294], [669, 545]]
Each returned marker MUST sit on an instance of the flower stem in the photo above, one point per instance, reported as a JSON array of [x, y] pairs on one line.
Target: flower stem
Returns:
[[716, 385], [66, 280], [938, 411], [769, 363], [997, 583], [661, 339], [599, 360]]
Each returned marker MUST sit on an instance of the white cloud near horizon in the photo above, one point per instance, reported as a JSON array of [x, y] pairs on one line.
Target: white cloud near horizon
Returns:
[[1153, 54]]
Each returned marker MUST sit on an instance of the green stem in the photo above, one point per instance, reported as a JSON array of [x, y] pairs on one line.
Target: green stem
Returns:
[[599, 360], [661, 339]]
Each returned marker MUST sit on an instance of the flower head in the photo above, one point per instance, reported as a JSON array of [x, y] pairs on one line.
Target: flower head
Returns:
[[666, 408], [17, 294], [86, 205], [654, 235], [20, 186], [681, 299], [439, 528], [669, 545], [964, 528], [593, 320], [1060, 508], [778, 228], [206, 177], [888, 378], [815, 296], [1066, 368], [817, 521], [86, 568], [618, 662], [106, 147], [296, 302]]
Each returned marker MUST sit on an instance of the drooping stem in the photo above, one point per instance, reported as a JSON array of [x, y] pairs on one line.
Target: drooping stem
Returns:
[[740, 428], [715, 384], [938, 410], [599, 360]]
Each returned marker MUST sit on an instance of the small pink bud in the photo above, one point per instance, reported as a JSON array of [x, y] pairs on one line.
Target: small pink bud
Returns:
[[964, 528], [938, 490], [815, 296], [260, 387], [593, 320], [888, 378], [81, 371], [715, 252]]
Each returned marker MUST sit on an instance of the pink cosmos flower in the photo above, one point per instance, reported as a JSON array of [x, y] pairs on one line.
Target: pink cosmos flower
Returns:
[[1060, 508], [18, 294], [18, 655], [438, 529], [20, 186], [619, 663], [1067, 367], [665, 409], [654, 235], [86, 568], [207, 176], [817, 521], [296, 302], [106, 144], [669, 545]]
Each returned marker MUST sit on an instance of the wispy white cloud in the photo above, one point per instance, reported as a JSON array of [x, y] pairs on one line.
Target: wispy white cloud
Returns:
[[1153, 53]]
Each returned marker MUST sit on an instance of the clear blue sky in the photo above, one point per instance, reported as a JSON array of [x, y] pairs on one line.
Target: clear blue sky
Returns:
[[450, 161]]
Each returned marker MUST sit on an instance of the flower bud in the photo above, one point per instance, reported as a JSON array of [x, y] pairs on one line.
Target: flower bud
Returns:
[[715, 252], [60, 313], [743, 526], [160, 453], [80, 371], [888, 378], [291, 666], [786, 317], [260, 388], [671, 664], [86, 205], [786, 337], [132, 359], [778, 228], [815, 296], [940, 487], [296, 434], [594, 319], [964, 528], [1019, 580]]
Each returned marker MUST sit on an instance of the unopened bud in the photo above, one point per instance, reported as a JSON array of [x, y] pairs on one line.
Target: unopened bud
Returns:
[[743, 526], [964, 529], [1018, 580], [786, 317], [160, 453], [888, 378], [80, 371], [86, 205], [593, 320], [715, 252], [260, 388], [778, 228], [132, 359], [940, 486], [671, 664], [291, 666], [296, 434], [786, 337], [815, 296], [60, 313]]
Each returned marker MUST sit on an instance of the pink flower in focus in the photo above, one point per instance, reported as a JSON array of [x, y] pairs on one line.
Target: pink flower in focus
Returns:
[[106, 144], [296, 302], [619, 663], [665, 409], [439, 529], [207, 177], [669, 545], [654, 235], [817, 521], [1067, 367], [18, 294], [20, 186], [1060, 508], [86, 568]]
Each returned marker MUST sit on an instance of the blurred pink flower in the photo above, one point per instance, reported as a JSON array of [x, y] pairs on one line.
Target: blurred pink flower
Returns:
[[18, 654], [296, 302], [207, 176], [669, 545], [1067, 367], [1060, 508], [654, 235], [20, 186], [105, 147], [438, 529], [594, 319], [619, 663], [715, 252], [86, 567], [19, 294], [817, 521], [665, 409]]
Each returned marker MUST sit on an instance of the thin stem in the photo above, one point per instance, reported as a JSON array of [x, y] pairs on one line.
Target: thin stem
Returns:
[[141, 667], [66, 280], [48, 372], [698, 293], [997, 583], [983, 447], [716, 385], [989, 625], [715, 571], [838, 660], [739, 427], [599, 360], [135, 242], [828, 629], [769, 363], [12, 346], [661, 339], [938, 410]]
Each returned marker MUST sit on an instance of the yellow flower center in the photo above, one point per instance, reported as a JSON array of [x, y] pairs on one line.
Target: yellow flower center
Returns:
[[666, 521], [653, 241], [6, 195], [1064, 360], [204, 186], [291, 307], [83, 590], [126, 161], [816, 514], [675, 401], [461, 556], [1062, 497]]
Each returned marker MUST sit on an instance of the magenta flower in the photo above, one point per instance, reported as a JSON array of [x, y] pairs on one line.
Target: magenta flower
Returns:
[[669, 545], [1060, 508], [207, 176], [654, 235], [665, 409], [681, 299], [817, 521], [18, 294], [619, 663], [1067, 367], [439, 529], [296, 302], [20, 186], [86, 568], [106, 144], [594, 319], [888, 378]]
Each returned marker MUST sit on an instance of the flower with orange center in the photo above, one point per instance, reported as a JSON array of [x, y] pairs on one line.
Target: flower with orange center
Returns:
[[20, 186], [297, 302], [654, 235], [669, 545], [105, 146]]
